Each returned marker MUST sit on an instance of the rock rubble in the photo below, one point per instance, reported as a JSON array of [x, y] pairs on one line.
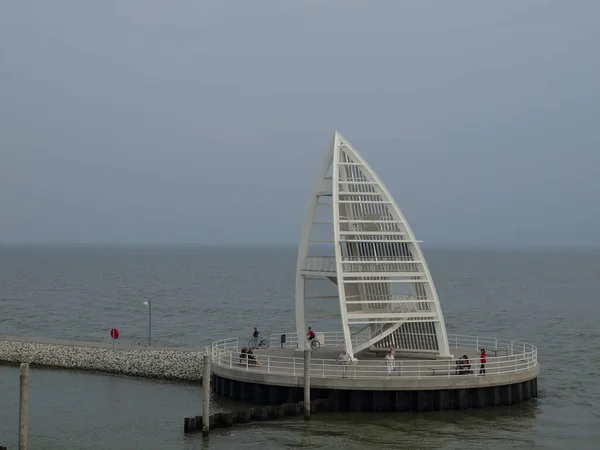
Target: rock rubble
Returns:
[[143, 362]]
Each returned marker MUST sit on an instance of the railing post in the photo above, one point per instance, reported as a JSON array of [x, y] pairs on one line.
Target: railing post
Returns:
[[323, 368], [230, 360], [477, 345], [268, 364]]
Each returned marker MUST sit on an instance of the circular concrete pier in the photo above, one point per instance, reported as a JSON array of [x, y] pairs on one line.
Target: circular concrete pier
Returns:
[[417, 383]]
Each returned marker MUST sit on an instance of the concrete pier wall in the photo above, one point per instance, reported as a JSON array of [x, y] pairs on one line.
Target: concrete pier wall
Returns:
[[378, 400], [159, 363]]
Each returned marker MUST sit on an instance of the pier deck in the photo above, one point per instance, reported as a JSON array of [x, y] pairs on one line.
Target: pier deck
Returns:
[[507, 362]]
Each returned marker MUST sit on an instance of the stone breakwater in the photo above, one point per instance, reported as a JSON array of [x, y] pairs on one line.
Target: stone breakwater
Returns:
[[159, 363]]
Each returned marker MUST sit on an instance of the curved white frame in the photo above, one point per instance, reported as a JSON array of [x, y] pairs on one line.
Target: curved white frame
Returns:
[[407, 318], [305, 240]]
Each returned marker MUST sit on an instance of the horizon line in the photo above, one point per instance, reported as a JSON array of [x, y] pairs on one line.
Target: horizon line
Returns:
[[435, 246]]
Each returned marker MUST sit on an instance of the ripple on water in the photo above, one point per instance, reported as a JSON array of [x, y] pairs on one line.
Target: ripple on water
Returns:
[[200, 294]]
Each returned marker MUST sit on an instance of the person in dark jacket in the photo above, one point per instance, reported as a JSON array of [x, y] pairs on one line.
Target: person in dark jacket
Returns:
[[252, 359], [466, 365], [244, 355]]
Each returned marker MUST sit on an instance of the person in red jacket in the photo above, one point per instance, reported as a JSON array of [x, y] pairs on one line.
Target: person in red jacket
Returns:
[[483, 358]]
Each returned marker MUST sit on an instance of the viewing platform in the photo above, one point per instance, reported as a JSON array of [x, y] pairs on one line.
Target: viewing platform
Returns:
[[318, 267], [422, 383], [386, 299]]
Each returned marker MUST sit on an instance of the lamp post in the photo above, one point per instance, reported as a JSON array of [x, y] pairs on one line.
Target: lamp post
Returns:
[[148, 303]]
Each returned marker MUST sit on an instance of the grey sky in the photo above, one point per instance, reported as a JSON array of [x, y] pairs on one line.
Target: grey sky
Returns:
[[197, 121]]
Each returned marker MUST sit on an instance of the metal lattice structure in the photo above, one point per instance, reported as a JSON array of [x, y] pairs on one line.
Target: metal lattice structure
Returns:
[[387, 297]]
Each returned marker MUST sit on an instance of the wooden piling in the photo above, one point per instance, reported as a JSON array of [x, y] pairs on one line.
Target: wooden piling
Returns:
[[206, 385], [257, 414], [23, 398], [189, 425], [307, 384]]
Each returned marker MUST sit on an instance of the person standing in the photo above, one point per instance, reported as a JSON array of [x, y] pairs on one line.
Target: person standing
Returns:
[[255, 336], [483, 359], [390, 362], [344, 358]]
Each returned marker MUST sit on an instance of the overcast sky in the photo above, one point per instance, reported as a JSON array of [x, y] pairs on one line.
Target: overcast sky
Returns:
[[206, 121]]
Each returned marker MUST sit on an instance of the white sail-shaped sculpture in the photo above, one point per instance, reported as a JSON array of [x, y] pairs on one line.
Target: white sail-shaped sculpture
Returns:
[[386, 294]]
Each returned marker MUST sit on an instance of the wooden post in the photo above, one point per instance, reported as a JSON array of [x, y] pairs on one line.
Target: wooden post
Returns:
[[307, 384], [23, 397], [206, 385]]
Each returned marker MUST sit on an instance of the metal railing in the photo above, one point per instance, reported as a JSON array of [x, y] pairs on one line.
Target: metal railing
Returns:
[[379, 267], [327, 264], [455, 341], [379, 259], [319, 264], [504, 356], [362, 336], [326, 187], [225, 345], [504, 347], [328, 338], [385, 298]]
